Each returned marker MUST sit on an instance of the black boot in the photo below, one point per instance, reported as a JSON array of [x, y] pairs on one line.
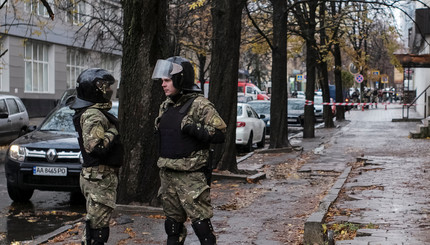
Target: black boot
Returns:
[[173, 231], [204, 231], [100, 236]]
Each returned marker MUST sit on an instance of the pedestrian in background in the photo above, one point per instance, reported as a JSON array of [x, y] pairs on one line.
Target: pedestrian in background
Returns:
[[187, 124], [101, 149]]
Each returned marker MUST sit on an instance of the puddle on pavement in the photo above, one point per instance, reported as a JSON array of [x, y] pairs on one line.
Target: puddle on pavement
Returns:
[[24, 223]]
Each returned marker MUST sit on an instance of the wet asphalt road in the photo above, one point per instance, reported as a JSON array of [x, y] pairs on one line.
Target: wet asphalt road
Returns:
[[46, 211]]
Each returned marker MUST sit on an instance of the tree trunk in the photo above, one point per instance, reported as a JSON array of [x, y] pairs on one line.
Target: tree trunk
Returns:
[[278, 104], [311, 57], [202, 64], [226, 17], [328, 115], [340, 110], [140, 98]]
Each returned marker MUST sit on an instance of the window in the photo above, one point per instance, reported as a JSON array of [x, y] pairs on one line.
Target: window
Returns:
[[249, 90], [37, 7], [249, 112], [36, 67], [75, 65], [108, 63], [76, 12], [2, 66], [3, 108], [20, 105], [13, 107]]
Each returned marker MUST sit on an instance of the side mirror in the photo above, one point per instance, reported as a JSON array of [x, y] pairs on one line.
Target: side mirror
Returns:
[[4, 115], [262, 116], [31, 128]]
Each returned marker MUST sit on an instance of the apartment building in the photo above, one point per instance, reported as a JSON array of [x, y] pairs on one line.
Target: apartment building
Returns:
[[41, 57]]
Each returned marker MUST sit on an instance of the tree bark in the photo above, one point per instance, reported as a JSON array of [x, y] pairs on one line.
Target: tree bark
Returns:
[[226, 17], [328, 115], [140, 97], [309, 26], [279, 98], [340, 110]]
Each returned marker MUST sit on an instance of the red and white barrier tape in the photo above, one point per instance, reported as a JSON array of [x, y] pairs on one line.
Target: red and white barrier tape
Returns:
[[310, 102]]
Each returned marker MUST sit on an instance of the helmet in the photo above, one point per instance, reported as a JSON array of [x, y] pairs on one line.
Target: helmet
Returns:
[[93, 86], [179, 70]]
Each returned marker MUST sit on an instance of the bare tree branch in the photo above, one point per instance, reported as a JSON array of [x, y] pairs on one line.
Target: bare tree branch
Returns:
[[48, 8]]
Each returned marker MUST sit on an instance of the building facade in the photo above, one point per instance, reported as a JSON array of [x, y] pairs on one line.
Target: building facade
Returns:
[[41, 57]]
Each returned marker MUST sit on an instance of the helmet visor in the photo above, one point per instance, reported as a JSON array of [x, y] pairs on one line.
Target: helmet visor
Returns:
[[165, 69]]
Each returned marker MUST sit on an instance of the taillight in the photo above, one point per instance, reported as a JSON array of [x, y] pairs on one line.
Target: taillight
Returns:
[[240, 124], [346, 100]]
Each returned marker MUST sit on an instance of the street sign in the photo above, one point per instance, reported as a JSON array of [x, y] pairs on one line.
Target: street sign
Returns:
[[359, 78], [299, 77], [384, 78]]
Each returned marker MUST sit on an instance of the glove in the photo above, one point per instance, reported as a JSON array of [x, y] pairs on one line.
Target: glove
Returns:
[[203, 135], [199, 133]]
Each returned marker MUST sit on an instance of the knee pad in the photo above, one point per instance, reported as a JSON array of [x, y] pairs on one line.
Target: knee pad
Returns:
[[173, 231], [204, 231]]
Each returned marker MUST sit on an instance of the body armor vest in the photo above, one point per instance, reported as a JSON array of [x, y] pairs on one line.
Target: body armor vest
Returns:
[[114, 158], [173, 143]]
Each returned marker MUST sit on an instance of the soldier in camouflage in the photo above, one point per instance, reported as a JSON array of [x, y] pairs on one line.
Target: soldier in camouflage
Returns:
[[187, 124], [101, 151]]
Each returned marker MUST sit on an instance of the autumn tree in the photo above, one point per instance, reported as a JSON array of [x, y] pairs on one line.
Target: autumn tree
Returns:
[[190, 31], [226, 19], [144, 42]]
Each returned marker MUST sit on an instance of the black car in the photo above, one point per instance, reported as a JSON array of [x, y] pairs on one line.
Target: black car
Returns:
[[296, 112], [47, 158], [262, 107]]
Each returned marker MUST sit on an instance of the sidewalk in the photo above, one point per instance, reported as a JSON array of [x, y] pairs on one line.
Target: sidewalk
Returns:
[[389, 193]]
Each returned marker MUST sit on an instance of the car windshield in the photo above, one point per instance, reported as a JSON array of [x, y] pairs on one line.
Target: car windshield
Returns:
[[261, 108], [62, 119], [296, 105]]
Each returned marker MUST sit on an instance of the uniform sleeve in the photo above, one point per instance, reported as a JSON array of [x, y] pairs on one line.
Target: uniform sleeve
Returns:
[[97, 131], [204, 122]]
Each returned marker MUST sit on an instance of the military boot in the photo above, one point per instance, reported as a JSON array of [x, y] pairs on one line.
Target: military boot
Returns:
[[173, 231], [100, 236]]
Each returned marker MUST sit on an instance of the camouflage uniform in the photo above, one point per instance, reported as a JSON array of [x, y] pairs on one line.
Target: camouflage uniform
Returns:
[[98, 183], [184, 190]]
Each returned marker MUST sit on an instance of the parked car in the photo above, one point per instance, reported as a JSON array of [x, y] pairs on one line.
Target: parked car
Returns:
[[14, 119], [67, 96], [296, 112], [319, 112], [244, 98], [47, 158], [262, 107], [301, 94], [250, 89], [250, 129]]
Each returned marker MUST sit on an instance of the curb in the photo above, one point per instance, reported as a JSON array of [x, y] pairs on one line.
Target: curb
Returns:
[[314, 232]]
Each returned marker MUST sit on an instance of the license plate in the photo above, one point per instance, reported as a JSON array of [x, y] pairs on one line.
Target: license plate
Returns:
[[50, 171]]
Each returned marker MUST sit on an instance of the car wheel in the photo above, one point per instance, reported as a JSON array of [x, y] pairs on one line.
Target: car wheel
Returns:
[[248, 146], [263, 140], [19, 195]]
